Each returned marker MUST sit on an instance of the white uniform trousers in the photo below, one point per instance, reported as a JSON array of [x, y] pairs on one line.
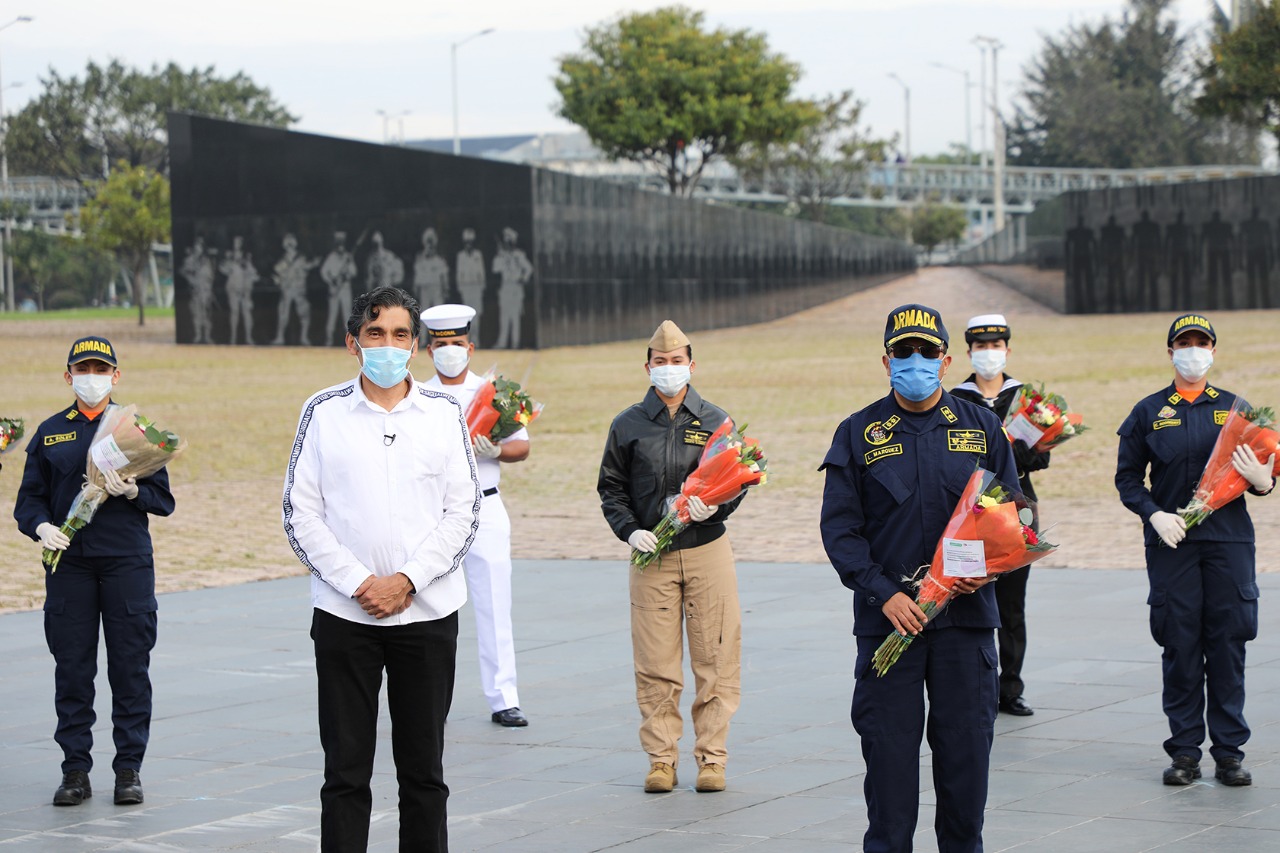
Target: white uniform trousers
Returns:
[[488, 570]]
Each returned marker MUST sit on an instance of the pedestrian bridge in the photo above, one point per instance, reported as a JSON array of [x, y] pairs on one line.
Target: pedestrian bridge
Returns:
[[43, 201]]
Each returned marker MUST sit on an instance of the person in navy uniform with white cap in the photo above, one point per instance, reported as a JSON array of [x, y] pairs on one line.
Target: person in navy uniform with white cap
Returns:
[[106, 575], [987, 337], [894, 474], [1204, 593], [488, 563]]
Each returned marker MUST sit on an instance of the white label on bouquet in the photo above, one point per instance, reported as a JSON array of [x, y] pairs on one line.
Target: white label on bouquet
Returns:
[[1021, 427], [107, 455], [963, 558]]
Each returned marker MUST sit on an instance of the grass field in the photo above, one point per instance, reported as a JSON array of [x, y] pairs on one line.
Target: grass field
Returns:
[[792, 380]]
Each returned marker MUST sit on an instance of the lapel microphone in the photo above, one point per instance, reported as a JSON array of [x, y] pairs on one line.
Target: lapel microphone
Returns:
[[389, 440]]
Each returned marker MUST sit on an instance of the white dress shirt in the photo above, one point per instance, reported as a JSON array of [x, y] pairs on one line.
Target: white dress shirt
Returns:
[[372, 492], [490, 470]]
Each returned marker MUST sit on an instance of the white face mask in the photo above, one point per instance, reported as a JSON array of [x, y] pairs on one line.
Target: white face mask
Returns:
[[451, 360], [92, 388], [669, 378], [988, 363], [1192, 363]]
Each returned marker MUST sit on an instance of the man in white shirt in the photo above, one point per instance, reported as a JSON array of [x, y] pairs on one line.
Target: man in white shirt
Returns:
[[381, 502], [488, 563]]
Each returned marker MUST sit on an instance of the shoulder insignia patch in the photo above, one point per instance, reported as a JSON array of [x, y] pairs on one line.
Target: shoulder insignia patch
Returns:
[[1211, 392], [882, 452], [966, 441], [875, 434], [893, 421], [947, 413], [1175, 398], [71, 415]]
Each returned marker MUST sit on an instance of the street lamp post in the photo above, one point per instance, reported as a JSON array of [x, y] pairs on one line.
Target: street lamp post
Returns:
[[968, 120], [453, 76], [906, 123], [386, 119], [6, 262]]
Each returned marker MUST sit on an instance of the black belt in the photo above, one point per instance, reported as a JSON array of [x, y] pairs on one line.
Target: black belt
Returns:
[[489, 492]]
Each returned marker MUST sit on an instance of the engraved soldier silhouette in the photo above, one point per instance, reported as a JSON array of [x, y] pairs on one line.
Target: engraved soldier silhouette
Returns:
[[1146, 252], [514, 271], [1081, 258], [1111, 244], [1259, 257], [1218, 240], [241, 275], [338, 271], [430, 274], [290, 275], [384, 269], [197, 269], [1180, 260]]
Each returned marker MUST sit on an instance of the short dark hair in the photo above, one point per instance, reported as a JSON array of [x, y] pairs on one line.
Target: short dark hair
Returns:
[[369, 305], [648, 353]]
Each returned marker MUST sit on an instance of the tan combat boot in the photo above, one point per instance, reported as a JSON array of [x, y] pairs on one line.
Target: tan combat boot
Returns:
[[710, 778], [661, 778]]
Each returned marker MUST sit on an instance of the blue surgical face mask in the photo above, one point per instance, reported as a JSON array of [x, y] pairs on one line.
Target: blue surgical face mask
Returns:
[[915, 378], [385, 367]]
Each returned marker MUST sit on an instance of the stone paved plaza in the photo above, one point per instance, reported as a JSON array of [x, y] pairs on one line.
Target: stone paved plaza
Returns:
[[234, 761]]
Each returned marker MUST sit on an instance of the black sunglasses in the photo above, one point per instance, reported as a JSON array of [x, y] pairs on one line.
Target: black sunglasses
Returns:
[[907, 350]]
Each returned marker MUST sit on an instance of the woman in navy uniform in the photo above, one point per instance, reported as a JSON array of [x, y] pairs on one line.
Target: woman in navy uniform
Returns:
[[1204, 594], [106, 575], [894, 474], [987, 337]]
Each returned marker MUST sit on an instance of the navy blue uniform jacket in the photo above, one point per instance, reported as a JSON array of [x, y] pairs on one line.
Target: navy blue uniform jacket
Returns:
[[893, 480], [1175, 438], [56, 458]]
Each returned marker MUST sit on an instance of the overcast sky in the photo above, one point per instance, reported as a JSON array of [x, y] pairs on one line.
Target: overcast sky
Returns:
[[335, 64]]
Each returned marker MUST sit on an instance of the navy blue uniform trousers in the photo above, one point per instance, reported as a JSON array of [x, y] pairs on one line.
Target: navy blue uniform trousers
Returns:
[[956, 668], [119, 593], [1204, 608]]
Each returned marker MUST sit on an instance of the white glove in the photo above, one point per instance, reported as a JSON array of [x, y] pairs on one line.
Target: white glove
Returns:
[[485, 448], [699, 511], [52, 537], [1247, 465], [120, 487], [643, 540], [1171, 528]]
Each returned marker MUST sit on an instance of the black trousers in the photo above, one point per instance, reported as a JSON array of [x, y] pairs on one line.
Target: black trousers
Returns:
[[118, 593], [419, 660], [1011, 599]]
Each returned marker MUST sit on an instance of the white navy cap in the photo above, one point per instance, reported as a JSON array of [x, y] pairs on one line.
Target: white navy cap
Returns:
[[987, 327], [449, 320]]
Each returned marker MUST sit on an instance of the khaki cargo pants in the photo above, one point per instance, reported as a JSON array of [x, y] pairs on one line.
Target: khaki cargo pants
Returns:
[[695, 591]]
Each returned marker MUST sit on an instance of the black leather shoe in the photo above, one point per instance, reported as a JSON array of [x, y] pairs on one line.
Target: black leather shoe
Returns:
[[1184, 770], [74, 789], [1015, 706], [128, 788], [511, 718], [1230, 772]]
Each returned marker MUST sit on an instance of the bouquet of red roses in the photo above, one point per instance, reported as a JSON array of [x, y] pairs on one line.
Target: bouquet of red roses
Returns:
[[730, 462], [1220, 483], [127, 443], [500, 408], [1041, 419], [989, 533], [11, 432]]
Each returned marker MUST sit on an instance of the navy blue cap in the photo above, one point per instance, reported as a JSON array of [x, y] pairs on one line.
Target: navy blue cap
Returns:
[[1187, 322], [915, 321], [92, 348]]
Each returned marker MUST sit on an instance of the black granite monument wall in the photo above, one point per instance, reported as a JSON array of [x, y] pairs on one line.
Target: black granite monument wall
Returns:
[[274, 232], [1180, 247]]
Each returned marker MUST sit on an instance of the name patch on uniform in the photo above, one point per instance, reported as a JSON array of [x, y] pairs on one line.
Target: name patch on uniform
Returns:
[[1167, 412], [876, 434], [882, 452], [696, 437], [50, 440], [1167, 422], [946, 413], [1220, 416], [966, 441]]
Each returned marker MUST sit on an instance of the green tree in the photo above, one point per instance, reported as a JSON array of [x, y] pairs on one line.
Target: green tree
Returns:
[[935, 224], [59, 271], [128, 213], [826, 160], [79, 124], [1118, 94], [1241, 76], [656, 88]]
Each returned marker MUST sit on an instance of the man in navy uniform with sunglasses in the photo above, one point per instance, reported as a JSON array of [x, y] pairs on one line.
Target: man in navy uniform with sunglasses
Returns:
[[894, 475]]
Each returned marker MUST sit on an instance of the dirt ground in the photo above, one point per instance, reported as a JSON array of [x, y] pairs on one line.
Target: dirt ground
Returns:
[[228, 529]]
